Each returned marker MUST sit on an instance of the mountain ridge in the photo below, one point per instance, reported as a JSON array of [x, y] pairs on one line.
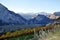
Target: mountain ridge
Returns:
[[10, 17]]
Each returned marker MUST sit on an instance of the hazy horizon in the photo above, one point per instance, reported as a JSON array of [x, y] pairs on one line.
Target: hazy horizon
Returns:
[[32, 6]]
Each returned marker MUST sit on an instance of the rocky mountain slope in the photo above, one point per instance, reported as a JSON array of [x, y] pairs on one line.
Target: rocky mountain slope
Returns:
[[9, 17]]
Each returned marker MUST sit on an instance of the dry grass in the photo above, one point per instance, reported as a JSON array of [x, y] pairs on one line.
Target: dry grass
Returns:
[[53, 36]]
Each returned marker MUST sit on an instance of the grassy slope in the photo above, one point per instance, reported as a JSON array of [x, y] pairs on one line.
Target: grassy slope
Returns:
[[51, 36], [54, 36], [24, 37]]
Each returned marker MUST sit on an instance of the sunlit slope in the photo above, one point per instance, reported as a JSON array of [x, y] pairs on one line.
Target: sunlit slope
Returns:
[[54, 36]]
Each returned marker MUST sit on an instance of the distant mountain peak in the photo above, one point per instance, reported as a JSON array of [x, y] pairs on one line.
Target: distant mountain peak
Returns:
[[57, 13]]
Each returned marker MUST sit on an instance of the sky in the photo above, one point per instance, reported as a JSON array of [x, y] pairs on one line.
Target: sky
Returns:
[[26, 6]]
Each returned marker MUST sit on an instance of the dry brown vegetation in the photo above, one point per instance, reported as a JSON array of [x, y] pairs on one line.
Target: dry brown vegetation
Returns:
[[24, 32]]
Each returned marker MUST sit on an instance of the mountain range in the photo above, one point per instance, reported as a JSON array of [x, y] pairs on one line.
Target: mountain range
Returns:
[[39, 19], [9, 17], [31, 15], [11, 21]]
